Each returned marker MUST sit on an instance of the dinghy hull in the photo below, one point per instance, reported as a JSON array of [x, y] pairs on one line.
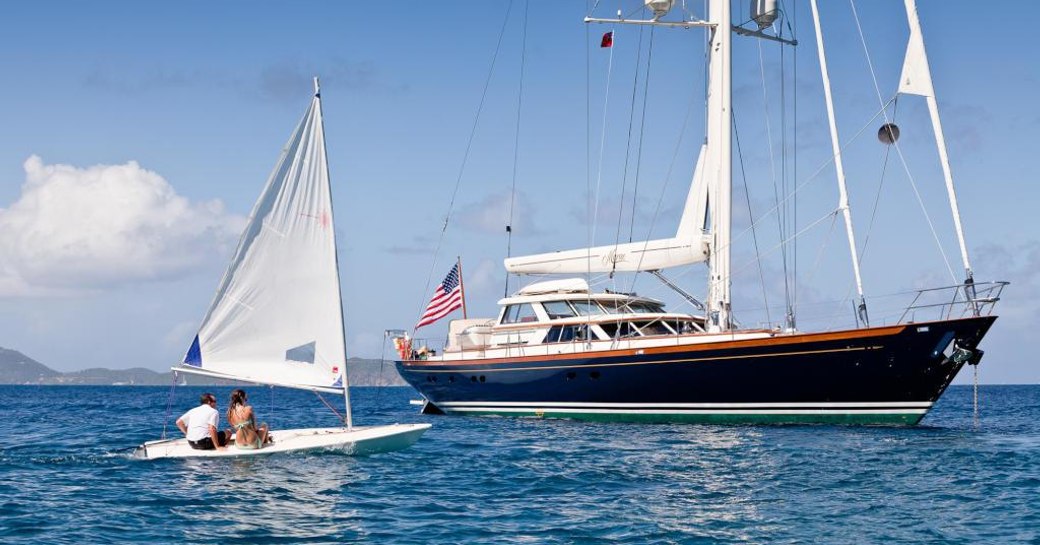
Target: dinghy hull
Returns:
[[358, 441]]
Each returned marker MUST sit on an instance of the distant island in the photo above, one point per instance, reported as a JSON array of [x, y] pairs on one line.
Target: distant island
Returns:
[[17, 368]]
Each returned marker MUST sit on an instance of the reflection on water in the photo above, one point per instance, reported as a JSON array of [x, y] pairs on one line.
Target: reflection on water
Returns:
[[293, 496]]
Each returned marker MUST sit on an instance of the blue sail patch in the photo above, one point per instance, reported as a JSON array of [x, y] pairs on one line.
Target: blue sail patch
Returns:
[[194, 355]]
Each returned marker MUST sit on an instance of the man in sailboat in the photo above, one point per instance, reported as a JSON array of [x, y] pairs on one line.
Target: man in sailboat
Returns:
[[199, 425]]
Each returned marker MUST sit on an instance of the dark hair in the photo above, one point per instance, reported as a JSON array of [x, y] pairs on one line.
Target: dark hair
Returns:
[[206, 398], [238, 397]]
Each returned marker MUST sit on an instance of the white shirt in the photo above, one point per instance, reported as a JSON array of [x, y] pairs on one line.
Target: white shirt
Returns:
[[198, 421]]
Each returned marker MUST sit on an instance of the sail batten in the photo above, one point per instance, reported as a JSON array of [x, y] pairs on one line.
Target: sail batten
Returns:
[[276, 319]]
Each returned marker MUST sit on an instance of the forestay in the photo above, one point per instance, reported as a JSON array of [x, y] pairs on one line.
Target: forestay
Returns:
[[276, 317]]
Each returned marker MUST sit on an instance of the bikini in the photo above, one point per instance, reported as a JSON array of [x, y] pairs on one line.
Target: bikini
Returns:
[[248, 446]]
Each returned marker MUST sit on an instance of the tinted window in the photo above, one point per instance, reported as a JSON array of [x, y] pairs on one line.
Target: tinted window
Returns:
[[587, 308], [653, 328], [566, 333], [519, 314], [558, 309]]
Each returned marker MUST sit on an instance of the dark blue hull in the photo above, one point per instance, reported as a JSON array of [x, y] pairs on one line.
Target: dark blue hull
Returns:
[[875, 375]]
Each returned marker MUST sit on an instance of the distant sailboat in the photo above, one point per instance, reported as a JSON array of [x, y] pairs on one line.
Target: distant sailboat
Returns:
[[277, 317]]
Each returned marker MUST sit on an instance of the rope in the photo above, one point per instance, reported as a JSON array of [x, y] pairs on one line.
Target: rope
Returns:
[[628, 144], [751, 214], [899, 150], [465, 159], [975, 396], [382, 361], [642, 129], [516, 141], [331, 408], [602, 142], [781, 211], [169, 405]]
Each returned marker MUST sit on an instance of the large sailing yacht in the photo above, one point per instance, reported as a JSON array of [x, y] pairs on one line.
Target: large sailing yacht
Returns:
[[557, 349]]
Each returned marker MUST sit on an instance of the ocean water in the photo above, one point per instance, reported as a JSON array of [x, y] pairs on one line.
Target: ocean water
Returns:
[[66, 476]]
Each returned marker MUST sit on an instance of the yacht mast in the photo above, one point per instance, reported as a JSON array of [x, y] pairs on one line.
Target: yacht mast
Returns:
[[843, 194], [719, 161]]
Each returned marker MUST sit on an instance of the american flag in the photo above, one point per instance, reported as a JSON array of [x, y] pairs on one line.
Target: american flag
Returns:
[[446, 298]]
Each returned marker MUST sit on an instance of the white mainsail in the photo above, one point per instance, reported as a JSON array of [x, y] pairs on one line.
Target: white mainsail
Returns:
[[276, 317], [689, 245]]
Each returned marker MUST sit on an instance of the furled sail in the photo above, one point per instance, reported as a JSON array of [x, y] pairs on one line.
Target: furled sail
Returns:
[[276, 318], [689, 245]]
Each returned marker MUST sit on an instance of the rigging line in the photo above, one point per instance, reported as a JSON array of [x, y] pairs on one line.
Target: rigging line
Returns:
[[781, 224], [819, 253], [806, 229], [588, 159], [751, 214], [169, 405], [628, 144], [465, 157], [331, 408], [602, 140], [877, 197], [667, 177], [516, 140], [642, 129], [899, 149], [811, 177]]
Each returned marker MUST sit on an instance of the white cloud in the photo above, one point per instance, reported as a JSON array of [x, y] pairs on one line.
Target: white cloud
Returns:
[[80, 229]]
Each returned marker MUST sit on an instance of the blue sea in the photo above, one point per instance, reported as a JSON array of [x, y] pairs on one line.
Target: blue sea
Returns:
[[66, 476]]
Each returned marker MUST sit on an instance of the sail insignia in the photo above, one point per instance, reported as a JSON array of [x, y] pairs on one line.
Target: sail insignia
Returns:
[[194, 355], [304, 353]]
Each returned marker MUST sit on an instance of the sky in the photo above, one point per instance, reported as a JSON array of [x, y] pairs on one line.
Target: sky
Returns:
[[134, 139]]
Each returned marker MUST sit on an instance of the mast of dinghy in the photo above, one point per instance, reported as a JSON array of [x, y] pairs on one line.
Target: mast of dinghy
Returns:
[[335, 252], [916, 79], [843, 194]]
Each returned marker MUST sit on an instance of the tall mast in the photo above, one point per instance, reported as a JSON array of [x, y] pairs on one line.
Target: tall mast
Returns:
[[720, 175], [843, 194], [335, 253]]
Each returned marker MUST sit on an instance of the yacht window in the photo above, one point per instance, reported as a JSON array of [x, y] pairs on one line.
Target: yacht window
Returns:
[[521, 313], [620, 330], [558, 309], [587, 308], [653, 328], [567, 333], [643, 307]]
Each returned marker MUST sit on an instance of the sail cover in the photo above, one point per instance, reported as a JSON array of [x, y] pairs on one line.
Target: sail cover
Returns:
[[276, 317]]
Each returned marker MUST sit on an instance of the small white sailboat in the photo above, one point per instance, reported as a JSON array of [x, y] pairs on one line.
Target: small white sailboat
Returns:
[[277, 317]]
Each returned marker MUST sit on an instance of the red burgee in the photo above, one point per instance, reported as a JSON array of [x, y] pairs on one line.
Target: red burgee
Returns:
[[608, 40]]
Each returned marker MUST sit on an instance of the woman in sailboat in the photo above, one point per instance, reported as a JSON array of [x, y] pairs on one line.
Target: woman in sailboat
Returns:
[[240, 415]]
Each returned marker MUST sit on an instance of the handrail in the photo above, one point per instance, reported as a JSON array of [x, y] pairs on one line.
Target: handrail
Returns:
[[969, 298]]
